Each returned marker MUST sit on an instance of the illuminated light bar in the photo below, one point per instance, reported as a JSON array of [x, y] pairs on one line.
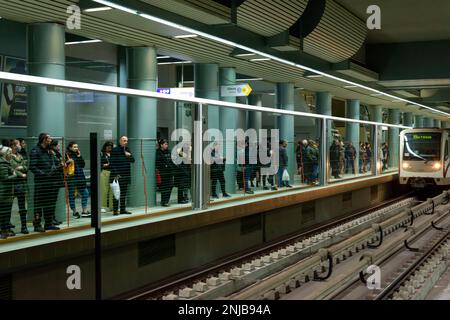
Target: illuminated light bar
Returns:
[[183, 36], [349, 87], [174, 62], [250, 79], [66, 84], [260, 59], [245, 54], [97, 9], [263, 54], [315, 76], [82, 42], [163, 57]]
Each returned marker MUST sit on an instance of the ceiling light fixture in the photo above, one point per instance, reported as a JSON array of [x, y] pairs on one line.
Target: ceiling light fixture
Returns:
[[259, 59], [314, 76], [250, 79], [183, 36], [239, 46], [97, 9], [350, 87], [174, 62], [163, 57], [82, 42], [245, 54]]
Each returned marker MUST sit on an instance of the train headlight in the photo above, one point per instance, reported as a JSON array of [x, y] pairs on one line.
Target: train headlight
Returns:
[[437, 165], [406, 165]]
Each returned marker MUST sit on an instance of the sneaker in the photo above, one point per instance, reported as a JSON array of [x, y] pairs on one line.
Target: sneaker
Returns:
[[274, 188], [125, 212], [288, 186], [76, 215], [165, 204], [226, 195], [24, 230], [215, 196], [249, 192], [86, 214], [38, 229], [56, 222], [52, 227], [183, 201]]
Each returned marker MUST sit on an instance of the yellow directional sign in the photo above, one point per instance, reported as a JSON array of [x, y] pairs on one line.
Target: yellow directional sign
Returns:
[[240, 90]]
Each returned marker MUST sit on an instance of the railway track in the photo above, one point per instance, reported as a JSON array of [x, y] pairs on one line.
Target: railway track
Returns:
[[244, 269]]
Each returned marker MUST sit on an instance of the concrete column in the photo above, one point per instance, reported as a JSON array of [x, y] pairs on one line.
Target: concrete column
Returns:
[[46, 58], [376, 114], [408, 119], [394, 118], [418, 121], [428, 122], [46, 109], [121, 82], [142, 73], [255, 117], [323, 106], [352, 111], [206, 76], [229, 120], [437, 123], [285, 100]]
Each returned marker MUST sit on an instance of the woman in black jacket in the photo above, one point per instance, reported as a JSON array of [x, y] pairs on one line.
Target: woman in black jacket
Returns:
[[77, 180], [166, 169]]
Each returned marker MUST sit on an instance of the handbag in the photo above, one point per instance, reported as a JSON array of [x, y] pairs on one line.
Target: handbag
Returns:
[[115, 188], [70, 169], [158, 178], [285, 175]]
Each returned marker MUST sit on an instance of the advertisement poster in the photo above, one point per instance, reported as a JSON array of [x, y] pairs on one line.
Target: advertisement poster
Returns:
[[14, 98]]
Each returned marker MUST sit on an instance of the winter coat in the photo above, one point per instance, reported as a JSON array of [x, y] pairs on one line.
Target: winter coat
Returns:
[[7, 178]]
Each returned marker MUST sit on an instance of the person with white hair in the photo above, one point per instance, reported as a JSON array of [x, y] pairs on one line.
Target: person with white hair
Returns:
[[7, 177]]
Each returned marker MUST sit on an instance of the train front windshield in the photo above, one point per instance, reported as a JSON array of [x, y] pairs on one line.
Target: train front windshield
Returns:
[[425, 146]]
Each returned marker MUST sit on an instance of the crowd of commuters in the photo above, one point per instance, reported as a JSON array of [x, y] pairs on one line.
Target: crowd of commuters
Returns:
[[54, 170]]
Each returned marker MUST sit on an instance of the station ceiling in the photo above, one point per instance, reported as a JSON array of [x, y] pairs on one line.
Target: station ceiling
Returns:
[[337, 42]]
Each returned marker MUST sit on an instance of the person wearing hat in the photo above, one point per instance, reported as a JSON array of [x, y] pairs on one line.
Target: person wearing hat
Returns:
[[7, 177]]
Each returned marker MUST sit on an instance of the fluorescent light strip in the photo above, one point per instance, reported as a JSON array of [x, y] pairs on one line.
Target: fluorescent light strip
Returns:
[[315, 76], [26, 79], [82, 42], [174, 62], [183, 36], [233, 44], [349, 87], [250, 79], [97, 9], [245, 54], [260, 59], [163, 57]]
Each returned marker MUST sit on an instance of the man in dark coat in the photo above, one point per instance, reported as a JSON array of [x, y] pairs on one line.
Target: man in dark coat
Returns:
[[41, 164], [334, 158], [120, 161]]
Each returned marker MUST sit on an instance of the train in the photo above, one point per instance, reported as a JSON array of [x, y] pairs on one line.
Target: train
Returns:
[[424, 157]]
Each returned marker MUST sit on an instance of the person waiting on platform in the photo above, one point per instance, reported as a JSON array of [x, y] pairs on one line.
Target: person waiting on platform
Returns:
[[105, 187], [7, 177], [334, 158], [362, 158], [350, 156], [57, 178], [77, 180], [268, 178], [41, 164], [166, 169], [20, 165], [217, 172], [312, 157], [182, 178], [368, 156], [120, 161], [283, 164]]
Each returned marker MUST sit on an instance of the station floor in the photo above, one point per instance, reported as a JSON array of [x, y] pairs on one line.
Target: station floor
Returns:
[[157, 211]]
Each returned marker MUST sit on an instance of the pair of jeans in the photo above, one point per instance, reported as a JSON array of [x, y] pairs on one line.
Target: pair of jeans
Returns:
[[315, 172], [84, 195], [350, 164]]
